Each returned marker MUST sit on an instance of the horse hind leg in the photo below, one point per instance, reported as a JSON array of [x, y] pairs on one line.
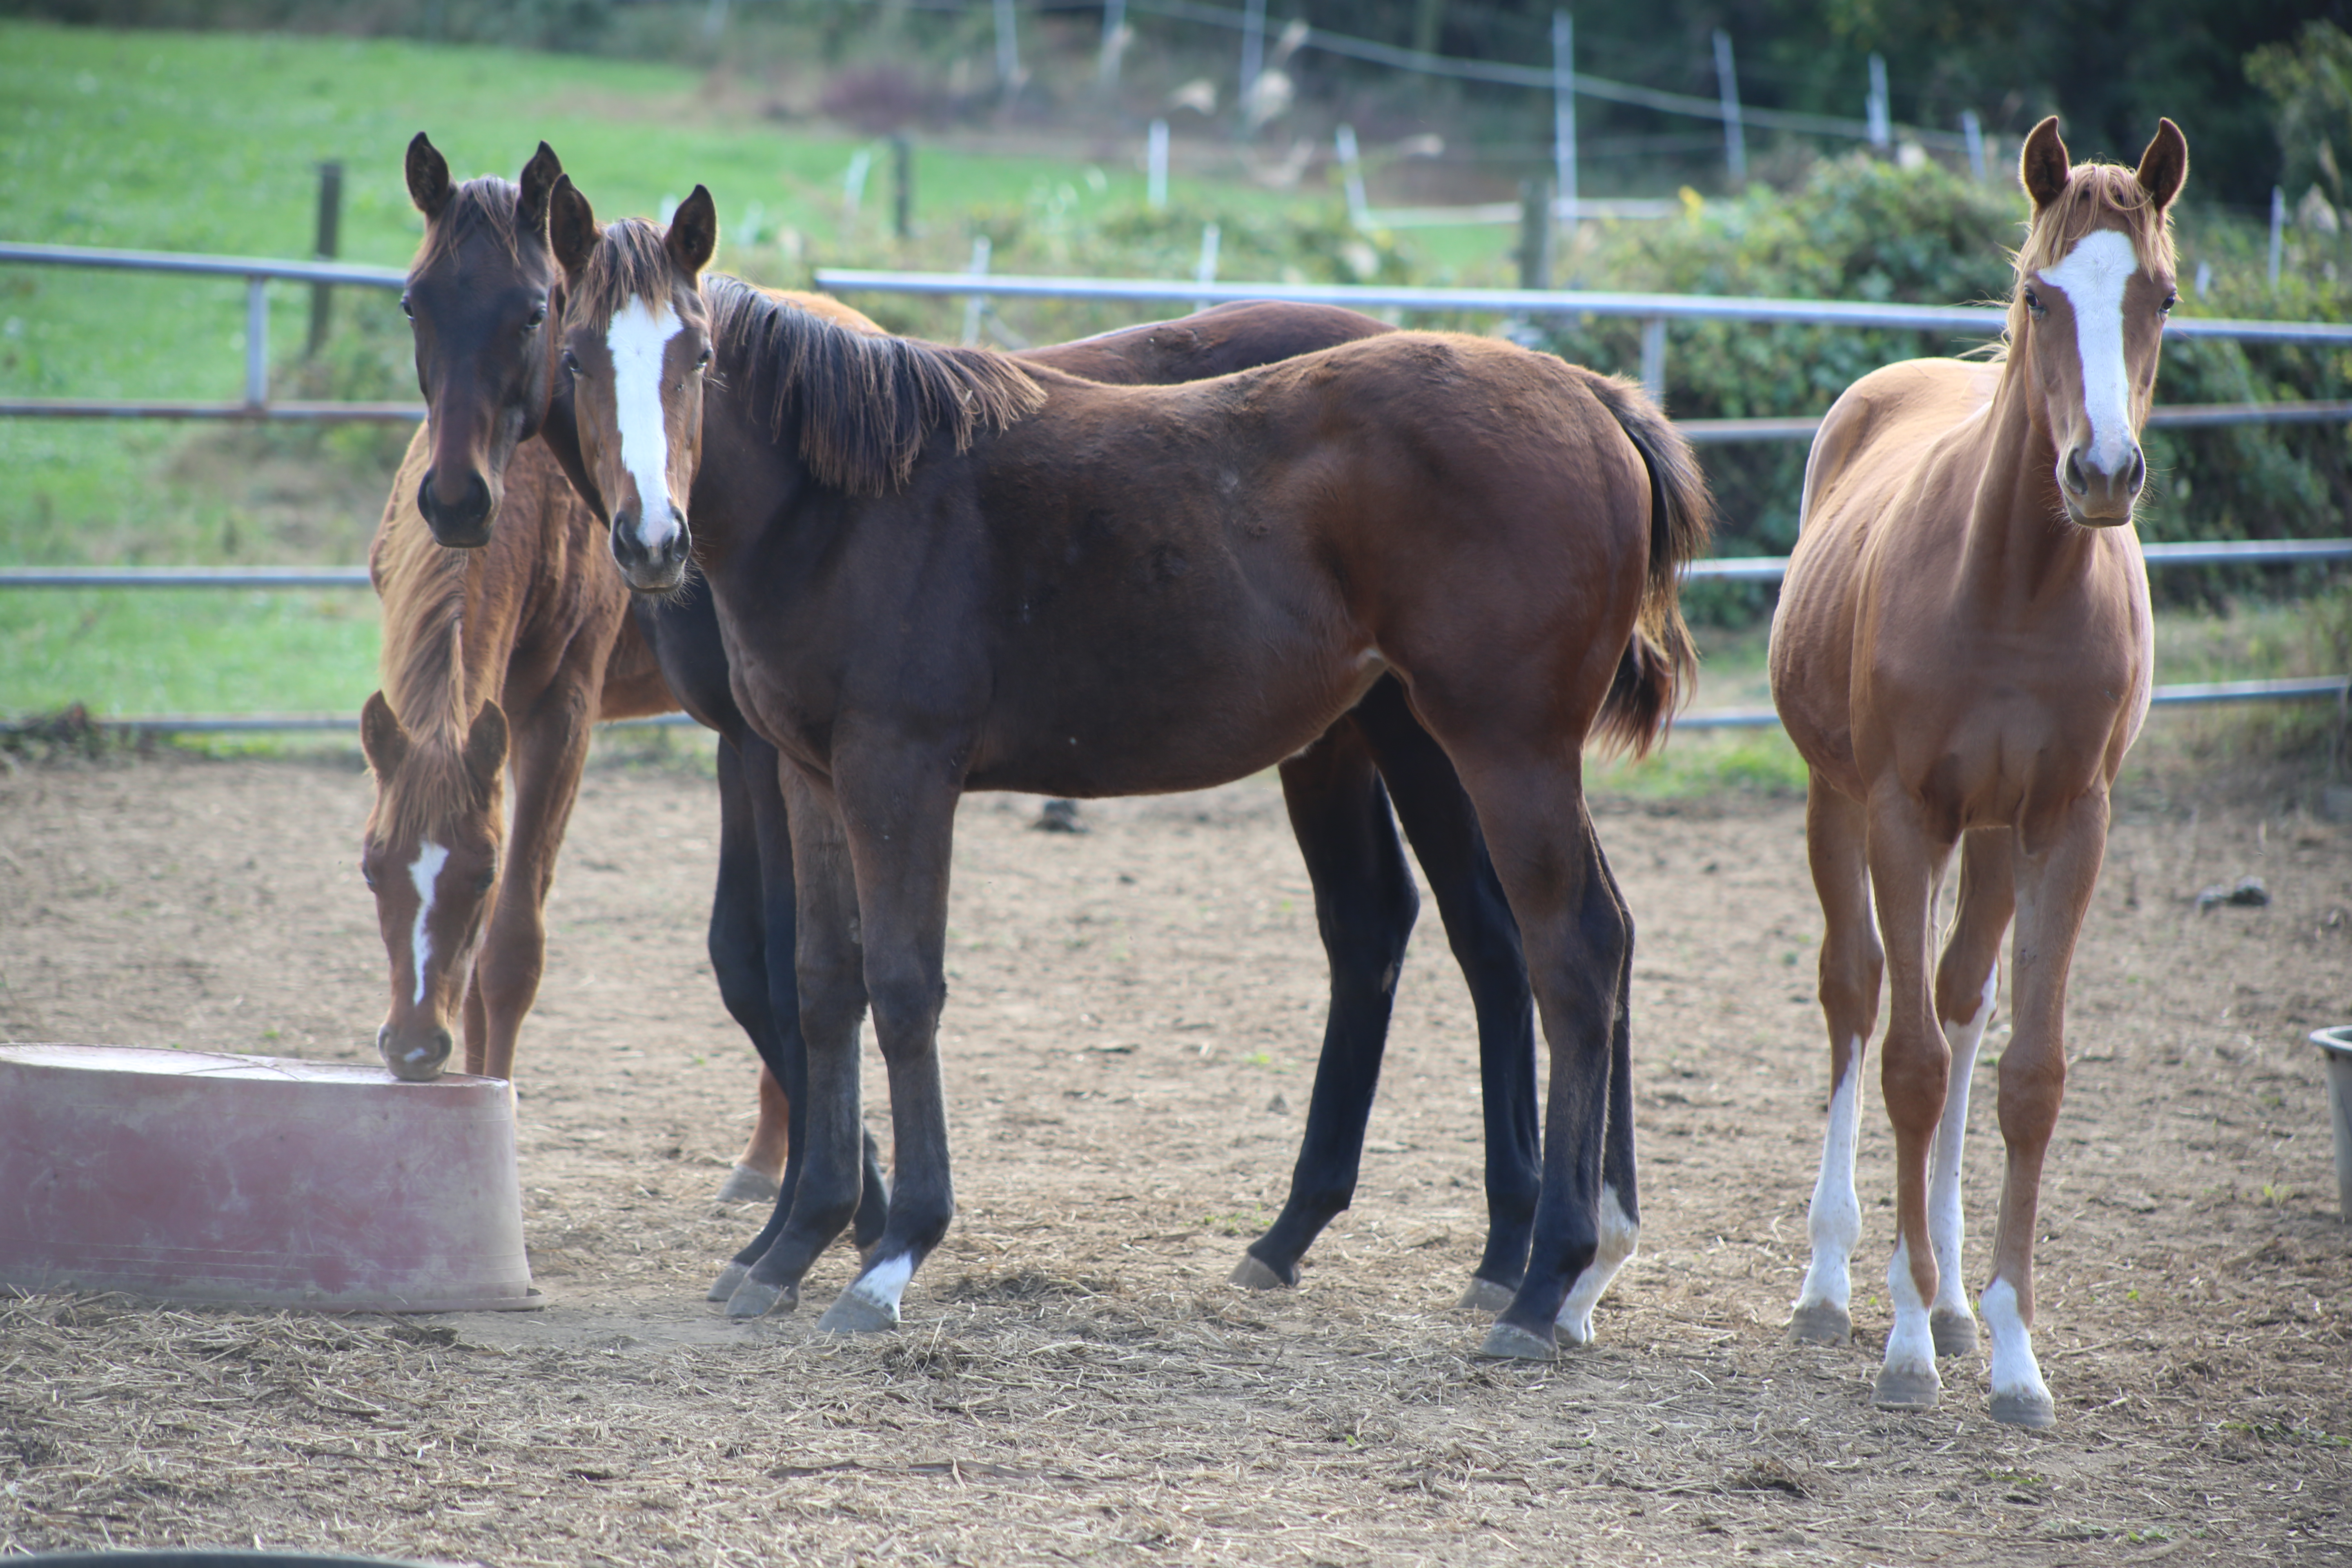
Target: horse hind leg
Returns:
[[1442, 826], [738, 947], [1621, 1209], [1364, 909], [1967, 982], [1851, 964]]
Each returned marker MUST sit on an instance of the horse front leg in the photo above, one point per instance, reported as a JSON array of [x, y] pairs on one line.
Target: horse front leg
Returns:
[[2054, 882], [899, 811], [548, 750], [1967, 982], [1915, 1069], [1852, 965], [823, 1183], [1443, 828], [1364, 910]]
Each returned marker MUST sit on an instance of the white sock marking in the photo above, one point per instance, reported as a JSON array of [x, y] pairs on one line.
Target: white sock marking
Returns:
[[425, 875], [1910, 1344], [1946, 1225], [1835, 1221], [2091, 277], [883, 1283], [1618, 1236], [2015, 1370], [636, 338]]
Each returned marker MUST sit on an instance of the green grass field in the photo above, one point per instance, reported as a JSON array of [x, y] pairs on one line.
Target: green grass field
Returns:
[[210, 142]]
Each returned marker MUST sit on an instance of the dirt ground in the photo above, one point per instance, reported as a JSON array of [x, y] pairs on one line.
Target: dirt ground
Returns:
[[1129, 1037]]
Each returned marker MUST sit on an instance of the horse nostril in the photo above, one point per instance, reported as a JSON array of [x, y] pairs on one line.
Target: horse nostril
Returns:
[[2073, 473], [2138, 468]]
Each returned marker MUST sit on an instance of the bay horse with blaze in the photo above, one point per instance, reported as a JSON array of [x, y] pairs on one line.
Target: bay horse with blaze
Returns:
[[938, 569], [1963, 653]]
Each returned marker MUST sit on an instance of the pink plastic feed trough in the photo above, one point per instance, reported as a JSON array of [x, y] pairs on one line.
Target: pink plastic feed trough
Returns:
[[197, 1176]]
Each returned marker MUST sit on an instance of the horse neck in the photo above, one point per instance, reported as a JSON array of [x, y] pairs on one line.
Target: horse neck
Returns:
[[451, 623], [2021, 546]]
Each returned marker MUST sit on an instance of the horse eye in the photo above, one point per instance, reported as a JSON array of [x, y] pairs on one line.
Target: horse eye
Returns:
[[702, 361], [406, 309], [537, 318], [2034, 303], [482, 883], [571, 362], [2171, 298], [369, 878]]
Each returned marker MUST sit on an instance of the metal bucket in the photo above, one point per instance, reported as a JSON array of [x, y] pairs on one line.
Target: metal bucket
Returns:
[[2336, 1045]]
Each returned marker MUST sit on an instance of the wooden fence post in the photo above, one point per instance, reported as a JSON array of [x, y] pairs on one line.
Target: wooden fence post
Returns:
[[331, 230]]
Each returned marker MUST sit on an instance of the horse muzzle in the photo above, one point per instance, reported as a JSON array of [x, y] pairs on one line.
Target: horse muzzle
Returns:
[[2096, 499], [414, 1056], [650, 568], [457, 510]]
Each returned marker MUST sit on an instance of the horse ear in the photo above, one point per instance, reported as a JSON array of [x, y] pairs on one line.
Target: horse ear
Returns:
[[2165, 165], [428, 177], [486, 746], [570, 228], [693, 233], [538, 177], [382, 740], [2043, 167]]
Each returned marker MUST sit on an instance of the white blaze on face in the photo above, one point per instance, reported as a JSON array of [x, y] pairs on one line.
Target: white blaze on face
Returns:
[[2091, 277], [425, 876], [638, 338]]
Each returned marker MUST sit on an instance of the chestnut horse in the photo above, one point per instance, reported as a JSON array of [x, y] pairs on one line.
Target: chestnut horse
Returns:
[[475, 298], [938, 569], [1963, 654]]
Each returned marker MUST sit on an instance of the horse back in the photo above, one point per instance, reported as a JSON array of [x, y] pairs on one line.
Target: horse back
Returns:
[[1214, 342]]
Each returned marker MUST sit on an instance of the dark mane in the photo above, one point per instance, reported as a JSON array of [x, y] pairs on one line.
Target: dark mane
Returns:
[[485, 206], [859, 405]]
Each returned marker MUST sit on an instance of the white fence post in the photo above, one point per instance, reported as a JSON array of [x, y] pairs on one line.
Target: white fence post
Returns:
[[1351, 176], [1882, 129], [1735, 136], [852, 188], [1563, 114], [1211, 236], [2278, 230], [1114, 46], [257, 341], [1009, 75], [1252, 51], [1155, 167], [1972, 128], [976, 305], [1654, 358]]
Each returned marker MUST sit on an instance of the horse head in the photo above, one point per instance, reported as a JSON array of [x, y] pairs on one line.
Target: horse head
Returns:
[[637, 341], [479, 296], [431, 857], [2095, 282]]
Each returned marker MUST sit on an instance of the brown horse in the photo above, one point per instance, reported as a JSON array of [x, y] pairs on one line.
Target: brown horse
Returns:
[[940, 570], [475, 299], [1963, 654]]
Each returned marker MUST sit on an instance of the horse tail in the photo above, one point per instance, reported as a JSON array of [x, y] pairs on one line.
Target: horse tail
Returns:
[[1660, 665]]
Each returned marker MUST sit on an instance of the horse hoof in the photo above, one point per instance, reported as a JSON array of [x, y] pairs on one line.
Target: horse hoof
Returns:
[[729, 1278], [2032, 1408], [1254, 1273], [853, 1313], [1820, 1323], [1907, 1388], [1955, 1333], [1509, 1341], [757, 1299], [746, 1185], [1485, 1296]]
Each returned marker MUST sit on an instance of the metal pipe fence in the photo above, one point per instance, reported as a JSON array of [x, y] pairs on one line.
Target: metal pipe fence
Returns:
[[1654, 310]]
